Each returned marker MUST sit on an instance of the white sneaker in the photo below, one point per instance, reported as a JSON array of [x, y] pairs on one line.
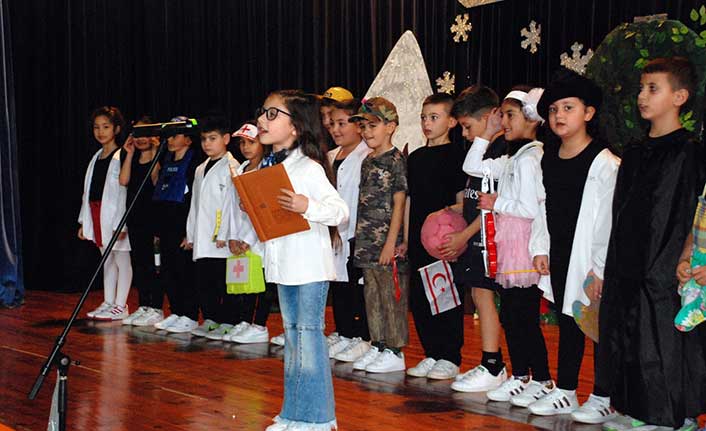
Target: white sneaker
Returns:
[[165, 323], [595, 410], [387, 362], [276, 427], [251, 334], [207, 326], [556, 402], [182, 325], [534, 391], [443, 370], [277, 340], [115, 313], [237, 329], [131, 318], [355, 350], [219, 333], [366, 359], [104, 305], [339, 346], [510, 387], [622, 423], [479, 379], [332, 338], [422, 368], [149, 318]]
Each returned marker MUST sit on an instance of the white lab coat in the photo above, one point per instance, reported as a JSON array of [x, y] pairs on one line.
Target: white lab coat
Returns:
[[347, 183], [241, 228], [211, 208], [112, 203], [307, 257], [590, 245]]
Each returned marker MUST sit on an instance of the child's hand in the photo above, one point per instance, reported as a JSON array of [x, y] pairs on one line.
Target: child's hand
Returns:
[[494, 124], [292, 201], [699, 275], [683, 272], [401, 250], [238, 247], [486, 201], [453, 244], [595, 289], [242, 207], [80, 234], [220, 244], [541, 264], [186, 245], [387, 254], [129, 145]]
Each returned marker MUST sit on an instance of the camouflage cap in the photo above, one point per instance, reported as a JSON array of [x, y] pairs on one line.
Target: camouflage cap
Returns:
[[376, 107]]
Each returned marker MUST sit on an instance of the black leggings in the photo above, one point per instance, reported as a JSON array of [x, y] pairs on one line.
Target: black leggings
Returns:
[[519, 314], [256, 306], [151, 291]]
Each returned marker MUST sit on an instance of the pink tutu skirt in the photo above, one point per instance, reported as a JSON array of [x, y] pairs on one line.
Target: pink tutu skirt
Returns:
[[512, 238]]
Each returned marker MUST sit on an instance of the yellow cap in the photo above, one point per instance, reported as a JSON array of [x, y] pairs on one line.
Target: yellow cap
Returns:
[[339, 94]]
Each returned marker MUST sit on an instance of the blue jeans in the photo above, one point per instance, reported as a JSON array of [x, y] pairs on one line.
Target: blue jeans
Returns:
[[308, 387]]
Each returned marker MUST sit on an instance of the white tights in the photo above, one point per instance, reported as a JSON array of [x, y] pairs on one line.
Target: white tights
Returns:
[[117, 277]]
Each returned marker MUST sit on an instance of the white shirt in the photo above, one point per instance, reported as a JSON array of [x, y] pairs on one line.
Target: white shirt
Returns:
[[307, 257], [211, 208], [593, 226], [347, 183], [241, 228], [113, 202]]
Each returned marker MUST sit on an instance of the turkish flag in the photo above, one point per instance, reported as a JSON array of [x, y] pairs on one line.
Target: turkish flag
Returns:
[[439, 287]]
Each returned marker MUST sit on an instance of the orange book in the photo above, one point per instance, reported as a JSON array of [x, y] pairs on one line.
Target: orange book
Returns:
[[258, 191]]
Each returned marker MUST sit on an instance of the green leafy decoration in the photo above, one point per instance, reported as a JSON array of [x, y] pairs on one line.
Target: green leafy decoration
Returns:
[[694, 15], [629, 124], [677, 38]]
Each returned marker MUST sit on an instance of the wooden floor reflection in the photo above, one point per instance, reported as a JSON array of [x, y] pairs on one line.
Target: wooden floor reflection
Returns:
[[144, 379]]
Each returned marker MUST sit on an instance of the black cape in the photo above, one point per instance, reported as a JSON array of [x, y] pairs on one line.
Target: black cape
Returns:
[[653, 371]]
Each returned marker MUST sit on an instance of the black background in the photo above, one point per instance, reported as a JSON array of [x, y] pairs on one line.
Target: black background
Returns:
[[175, 57]]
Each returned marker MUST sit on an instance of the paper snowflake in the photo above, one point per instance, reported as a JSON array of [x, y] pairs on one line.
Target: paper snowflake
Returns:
[[446, 83], [461, 28], [576, 62], [532, 36]]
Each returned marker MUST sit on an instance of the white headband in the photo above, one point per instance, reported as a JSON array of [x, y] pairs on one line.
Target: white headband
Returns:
[[247, 131], [529, 102]]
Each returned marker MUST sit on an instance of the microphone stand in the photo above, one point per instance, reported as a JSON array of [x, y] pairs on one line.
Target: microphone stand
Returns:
[[57, 358]]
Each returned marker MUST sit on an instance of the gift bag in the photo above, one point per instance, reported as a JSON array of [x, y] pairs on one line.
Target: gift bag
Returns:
[[244, 274]]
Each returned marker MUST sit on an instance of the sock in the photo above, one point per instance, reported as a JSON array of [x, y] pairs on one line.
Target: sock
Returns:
[[493, 362], [379, 344]]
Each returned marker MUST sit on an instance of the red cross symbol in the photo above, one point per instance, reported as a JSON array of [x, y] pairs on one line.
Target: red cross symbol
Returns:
[[245, 129], [238, 268]]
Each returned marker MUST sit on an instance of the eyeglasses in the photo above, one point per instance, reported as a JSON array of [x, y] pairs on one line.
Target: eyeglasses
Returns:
[[270, 113]]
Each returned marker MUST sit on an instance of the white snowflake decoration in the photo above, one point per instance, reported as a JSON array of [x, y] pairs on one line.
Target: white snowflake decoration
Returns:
[[461, 28], [576, 62], [446, 83], [532, 36]]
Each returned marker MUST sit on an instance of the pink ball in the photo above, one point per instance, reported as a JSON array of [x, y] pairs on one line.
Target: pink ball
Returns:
[[435, 229]]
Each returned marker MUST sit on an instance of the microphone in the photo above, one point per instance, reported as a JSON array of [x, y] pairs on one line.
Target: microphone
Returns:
[[165, 130]]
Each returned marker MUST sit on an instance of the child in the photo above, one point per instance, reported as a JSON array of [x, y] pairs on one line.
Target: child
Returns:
[[379, 238], [579, 178], [255, 307], [302, 263], [141, 223], [328, 103], [436, 181], [657, 374], [172, 200], [102, 207], [348, 295], [472, 109], [517, 206], [208, 229]]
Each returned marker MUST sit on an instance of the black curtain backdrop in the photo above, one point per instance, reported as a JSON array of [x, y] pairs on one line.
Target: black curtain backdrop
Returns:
[[173, 57]]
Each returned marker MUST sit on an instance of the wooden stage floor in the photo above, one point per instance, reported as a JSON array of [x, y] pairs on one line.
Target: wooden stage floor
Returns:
[[140, 379]]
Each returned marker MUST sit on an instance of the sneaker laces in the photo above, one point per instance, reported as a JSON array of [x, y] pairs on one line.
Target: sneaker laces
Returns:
[[426, 364], [478, 370]]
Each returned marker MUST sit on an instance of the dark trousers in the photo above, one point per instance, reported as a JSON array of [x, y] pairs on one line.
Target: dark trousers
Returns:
[[177, 275], [215, 303], [348, 300], [519, 315], [256, 306], [151, 291], [441, 335]]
